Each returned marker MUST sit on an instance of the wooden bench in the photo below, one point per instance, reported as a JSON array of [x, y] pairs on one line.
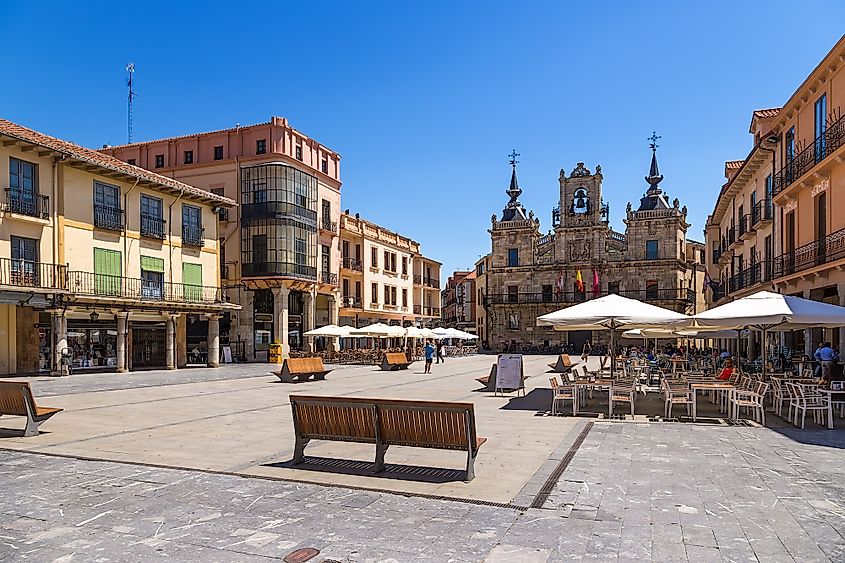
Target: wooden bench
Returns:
[[16, 399], [563, 364], [488, 381], [394, 360], [385, 423], [301, 369]]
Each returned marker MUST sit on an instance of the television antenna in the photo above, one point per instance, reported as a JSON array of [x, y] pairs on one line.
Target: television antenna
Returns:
[[130, 68]]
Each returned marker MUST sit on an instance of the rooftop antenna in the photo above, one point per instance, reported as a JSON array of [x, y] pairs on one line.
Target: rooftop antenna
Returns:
[[130, 68]]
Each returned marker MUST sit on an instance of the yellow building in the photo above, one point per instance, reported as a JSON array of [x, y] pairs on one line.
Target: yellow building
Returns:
[[384, 278], [103, 265]]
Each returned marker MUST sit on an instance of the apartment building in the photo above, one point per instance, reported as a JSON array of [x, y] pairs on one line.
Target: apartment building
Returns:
[[458, 301], [481, 319], [384, 278], [103, 265], [280, 253]]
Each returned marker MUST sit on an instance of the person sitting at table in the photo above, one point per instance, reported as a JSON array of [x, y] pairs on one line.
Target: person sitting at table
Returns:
[[728, 370], [825, 356]]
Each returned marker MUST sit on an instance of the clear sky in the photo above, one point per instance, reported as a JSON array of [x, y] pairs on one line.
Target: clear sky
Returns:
[[425, 100]]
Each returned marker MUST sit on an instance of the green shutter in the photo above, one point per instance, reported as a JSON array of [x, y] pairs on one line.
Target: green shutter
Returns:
[[107, 272], [152, 264], [192, 281]]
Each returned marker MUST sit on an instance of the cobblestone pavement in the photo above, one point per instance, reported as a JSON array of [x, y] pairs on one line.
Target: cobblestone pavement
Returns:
[[632, 492]]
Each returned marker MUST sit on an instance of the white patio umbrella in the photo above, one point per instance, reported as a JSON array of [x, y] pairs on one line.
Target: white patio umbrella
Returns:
[[765, 310], [378, 330], [612, 312], [330, 331], [669, 333], [454, 333], [414, 332]]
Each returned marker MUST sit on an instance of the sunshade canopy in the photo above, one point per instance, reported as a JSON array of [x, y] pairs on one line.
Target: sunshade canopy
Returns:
[[767, 310], [668, 333], [454, 333], [331, 331], [611, 312], [378, 330], [414, 332]]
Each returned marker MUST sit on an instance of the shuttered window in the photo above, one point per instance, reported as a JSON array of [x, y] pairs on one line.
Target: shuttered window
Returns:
[[192, 281], [107, 271], [152, 264]]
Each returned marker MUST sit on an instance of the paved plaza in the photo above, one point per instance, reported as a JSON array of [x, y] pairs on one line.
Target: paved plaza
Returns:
[[192, 466]]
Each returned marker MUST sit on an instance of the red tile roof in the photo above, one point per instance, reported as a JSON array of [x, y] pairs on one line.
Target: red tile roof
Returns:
[[766, 113], [82, 154]]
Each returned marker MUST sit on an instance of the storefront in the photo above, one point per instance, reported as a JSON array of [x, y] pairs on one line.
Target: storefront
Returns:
[[149, 345], [92, 344]]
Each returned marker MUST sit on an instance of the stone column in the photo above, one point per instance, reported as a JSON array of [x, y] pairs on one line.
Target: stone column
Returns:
[[122, 331], [751, 345], [333, 344], [280, 317], [809, 347], [309, 314], [170, 342], [59, 322], [213, 341]]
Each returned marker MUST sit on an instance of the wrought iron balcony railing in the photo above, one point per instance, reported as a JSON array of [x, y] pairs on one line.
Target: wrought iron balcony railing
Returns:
[[821, 251], [30, 274], [329, 225], [352, 264], [193, 236], [821, 147], [350, 302], [329, 278], [659, 294], [152, 226], [27, 203], [417, 309], [119, 287], [762, 211], [107, 217], [756, 273], [431, 282]]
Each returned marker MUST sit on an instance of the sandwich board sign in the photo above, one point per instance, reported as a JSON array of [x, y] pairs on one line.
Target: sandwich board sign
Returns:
[[510, 375]]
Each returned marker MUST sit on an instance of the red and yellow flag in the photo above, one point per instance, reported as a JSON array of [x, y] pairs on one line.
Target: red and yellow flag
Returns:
[[579, 281]]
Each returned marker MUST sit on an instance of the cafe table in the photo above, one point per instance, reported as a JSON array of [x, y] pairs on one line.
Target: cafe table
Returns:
[[712, 386], [676, 362], [580, 384]]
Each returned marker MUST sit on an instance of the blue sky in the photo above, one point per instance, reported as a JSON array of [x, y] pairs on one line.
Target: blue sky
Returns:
[[425, 100]]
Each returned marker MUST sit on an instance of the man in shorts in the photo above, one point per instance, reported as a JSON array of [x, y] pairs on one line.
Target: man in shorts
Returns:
[[429, 355]]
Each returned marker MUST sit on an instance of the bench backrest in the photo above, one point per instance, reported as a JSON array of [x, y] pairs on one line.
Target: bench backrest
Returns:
[[398, 422], [565, 359], [13, 395], [305, 365], [395, 358]]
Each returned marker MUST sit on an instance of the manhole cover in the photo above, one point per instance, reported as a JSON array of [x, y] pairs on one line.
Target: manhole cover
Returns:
[[301, 555]]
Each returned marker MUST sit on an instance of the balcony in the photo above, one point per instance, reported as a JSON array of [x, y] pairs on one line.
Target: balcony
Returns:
[[730, 237], [819, 252], [746, 227], [29, 274], [152, 226], [822, 146], [431, 311], [118, 287], [278, 269], [27, 203], [352, 264], [756, 273], [328, 278], [193, 236], [417, 309], [351, 302], [761, 212], [717, 253], [431, 282], [329, 226], [108, 218], [669, 294], [417, 280]]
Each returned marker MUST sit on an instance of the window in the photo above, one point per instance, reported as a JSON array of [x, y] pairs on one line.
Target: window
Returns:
[[300, 248], [324, 166], [192, 231], [387, 295], [651, 250], [513, 321], [547, 293], [613, 287], [261, 146], [327, 214], [24, 269], [345, 290], [821, 127], [131, 161], [405, 297], [374, 257], [404, 265], [393, 295], [107, 212], [159, 161], [374, 293], [107, 272], [298, 151], [325, 259], [152, 224], [513, 257], [23, 187], [789, 144], [218, 152], [222, 213], [513, 294], [189, 157], [259, 192], [651, 289], [769, 188], [192, 281], [152, 277], [259, 249]]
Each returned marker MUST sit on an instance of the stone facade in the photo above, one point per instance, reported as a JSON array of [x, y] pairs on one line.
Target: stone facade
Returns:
[[530, 274]]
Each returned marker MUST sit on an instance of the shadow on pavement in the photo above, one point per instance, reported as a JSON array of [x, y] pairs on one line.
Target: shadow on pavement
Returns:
[[365, 468]]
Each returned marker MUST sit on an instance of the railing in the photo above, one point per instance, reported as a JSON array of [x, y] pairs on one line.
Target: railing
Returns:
[[107, 217], [27, 203], [431, 311], [762, 211], [619, 237], [328, 225], [816, 253], [152, 226], [102, 285], [284, 269], [717, 253], [417, 310], [754, 274], [352, 264], [545, 239], [821, 148], [519, 224], [329, 278], [669, 294], [193, 236], [743, 224], [26, 273], [417, 280], [431, 282], [654, 213], [351, 302]]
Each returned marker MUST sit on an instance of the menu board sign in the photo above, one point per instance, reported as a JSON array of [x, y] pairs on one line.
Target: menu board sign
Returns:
[[509, 371]]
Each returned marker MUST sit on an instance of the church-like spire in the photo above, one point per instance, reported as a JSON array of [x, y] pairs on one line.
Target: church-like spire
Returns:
[[654, 177], [513, 211]]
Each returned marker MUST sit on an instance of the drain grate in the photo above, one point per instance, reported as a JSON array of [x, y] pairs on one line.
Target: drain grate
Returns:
[[550, 483]]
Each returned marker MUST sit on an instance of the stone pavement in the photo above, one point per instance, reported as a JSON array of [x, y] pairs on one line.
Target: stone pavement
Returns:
[[632, 492]]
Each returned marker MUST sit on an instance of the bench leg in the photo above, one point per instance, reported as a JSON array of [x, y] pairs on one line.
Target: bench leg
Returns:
[[299, 450], [471, 465], [381, 449], [31, 427]]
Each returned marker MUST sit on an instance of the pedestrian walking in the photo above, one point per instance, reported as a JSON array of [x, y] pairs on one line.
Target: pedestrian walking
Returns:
[[440, 352], [428, 350]]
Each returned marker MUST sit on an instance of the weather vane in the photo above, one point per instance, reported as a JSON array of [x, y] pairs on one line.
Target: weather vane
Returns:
[[654, 136], [513, 159]]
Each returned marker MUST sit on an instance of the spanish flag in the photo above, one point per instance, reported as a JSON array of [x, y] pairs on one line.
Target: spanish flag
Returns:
[[579, 281]]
